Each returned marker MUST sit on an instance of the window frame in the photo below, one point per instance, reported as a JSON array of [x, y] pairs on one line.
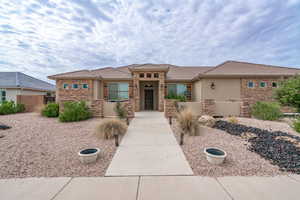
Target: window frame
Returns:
[[74, 87], [253, 84], [117, 92], [1, 97], [67, 86], [275, 83], [264, 83], [176, 93], [87, 86], [156, 75], [142, 75]]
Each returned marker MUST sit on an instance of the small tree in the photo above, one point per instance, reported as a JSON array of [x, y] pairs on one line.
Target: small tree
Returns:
[[288, 93]]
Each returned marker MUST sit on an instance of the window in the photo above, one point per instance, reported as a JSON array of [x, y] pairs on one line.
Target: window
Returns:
[[274, 84], [262, 84], [75, 86], [142, 75], [85, 86], [149, 75], [65, 86], [250, 84], [177, 89], [118, 91], [156, 75], [2, 95]]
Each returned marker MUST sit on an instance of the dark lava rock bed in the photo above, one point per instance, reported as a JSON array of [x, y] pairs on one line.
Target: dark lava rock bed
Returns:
[[280, 148]]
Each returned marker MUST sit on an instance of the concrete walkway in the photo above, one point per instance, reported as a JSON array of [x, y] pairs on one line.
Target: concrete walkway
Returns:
[[152, 187], [149, 148]]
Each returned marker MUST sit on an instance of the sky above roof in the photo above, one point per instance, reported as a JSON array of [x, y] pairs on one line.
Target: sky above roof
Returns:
[[45, 37]]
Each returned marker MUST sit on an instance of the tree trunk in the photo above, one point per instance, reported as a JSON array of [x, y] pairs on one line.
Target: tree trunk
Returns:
[[116, 140], [181, 138], [170, 120], [127, 120]]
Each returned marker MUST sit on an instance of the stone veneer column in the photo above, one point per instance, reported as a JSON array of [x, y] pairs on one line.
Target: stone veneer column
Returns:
[[209, 106], [136, 91], [161, 91], [245, 110]]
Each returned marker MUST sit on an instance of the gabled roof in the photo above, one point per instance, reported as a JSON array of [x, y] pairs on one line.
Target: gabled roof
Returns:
[[236, 68], [20, 80], [182, 73]]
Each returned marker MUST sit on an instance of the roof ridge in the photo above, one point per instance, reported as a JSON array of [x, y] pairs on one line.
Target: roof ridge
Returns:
[[70, 72], [262, 64]]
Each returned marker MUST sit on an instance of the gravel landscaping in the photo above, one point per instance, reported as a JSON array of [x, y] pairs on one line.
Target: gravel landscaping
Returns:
[[239, 162], [36, 146], [268, 125], [280, 148]]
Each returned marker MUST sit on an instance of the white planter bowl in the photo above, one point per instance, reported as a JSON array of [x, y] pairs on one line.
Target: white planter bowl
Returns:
[[88, 155], [215, 155]]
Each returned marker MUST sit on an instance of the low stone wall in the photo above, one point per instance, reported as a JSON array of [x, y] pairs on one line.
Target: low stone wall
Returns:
[[209, 107], [129, 106], [97, 107], [170, 107]]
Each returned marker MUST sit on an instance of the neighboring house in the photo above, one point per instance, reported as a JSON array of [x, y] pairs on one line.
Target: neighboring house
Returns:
[[17, 83], [147, 85]]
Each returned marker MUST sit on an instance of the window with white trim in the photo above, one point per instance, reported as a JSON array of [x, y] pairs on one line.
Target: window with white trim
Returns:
[[75, 86], [66, 86], [118, 91], [85, 86], [262, 84], [2, 95], [250, 84]]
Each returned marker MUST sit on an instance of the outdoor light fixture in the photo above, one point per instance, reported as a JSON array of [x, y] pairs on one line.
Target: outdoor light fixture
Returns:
[[212, 86]]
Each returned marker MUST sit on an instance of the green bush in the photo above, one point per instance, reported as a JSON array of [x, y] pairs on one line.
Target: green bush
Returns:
[[120, 110], [288, 93], [297, 125], [9, 107], [51, 110], [181, 98], [74, 111], [266, 110]]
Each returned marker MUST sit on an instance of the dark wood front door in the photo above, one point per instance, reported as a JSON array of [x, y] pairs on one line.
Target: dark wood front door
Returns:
[[148, 99]]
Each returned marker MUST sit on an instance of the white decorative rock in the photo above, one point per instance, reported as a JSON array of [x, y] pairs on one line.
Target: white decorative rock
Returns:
[[215, 155], [88, 155], [206, 120]]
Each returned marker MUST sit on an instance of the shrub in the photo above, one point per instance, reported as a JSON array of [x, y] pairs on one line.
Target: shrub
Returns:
[[289, 93], [233, 120], [187, 122], [110, 127], [9, 107], [266, 110], [51, 110], [74, 111], [120, 110], [181, 98], [296, 125]]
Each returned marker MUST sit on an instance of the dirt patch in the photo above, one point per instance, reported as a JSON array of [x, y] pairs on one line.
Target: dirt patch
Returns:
[[239, 162], [43, 147]]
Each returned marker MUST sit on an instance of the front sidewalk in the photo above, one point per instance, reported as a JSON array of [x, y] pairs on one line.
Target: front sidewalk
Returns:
[[152, 187], [149, 148]]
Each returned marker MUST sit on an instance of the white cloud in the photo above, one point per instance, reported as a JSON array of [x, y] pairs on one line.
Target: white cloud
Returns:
[[46, 37]]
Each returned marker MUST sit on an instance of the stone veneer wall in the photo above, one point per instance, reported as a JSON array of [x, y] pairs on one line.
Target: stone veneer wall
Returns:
[[257, 93], [70, 94], [208, 107], [170, 107]]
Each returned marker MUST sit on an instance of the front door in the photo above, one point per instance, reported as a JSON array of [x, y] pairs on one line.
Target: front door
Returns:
[[148, 99]]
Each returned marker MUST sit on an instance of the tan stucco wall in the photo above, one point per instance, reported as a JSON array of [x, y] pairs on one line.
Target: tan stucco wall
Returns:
[[109, 109], [225, 89], [226, 108], [195, 107], [98, 89], [30, 92], [197, 90]]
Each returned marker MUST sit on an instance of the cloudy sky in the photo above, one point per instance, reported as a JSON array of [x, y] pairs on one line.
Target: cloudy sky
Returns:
[[44, 37]]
